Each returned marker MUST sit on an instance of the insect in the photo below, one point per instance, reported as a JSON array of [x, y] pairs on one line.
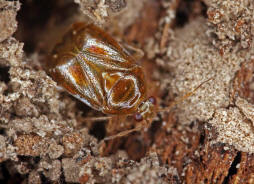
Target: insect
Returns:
[[90, 65]]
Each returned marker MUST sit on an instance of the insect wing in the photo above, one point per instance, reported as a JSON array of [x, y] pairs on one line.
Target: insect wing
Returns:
[[121, 80]]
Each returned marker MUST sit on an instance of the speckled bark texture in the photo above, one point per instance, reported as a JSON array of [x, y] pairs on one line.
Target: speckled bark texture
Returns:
[[205, 138]]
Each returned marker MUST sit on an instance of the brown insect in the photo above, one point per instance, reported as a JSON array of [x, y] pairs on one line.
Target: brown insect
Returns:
[[90, 65]]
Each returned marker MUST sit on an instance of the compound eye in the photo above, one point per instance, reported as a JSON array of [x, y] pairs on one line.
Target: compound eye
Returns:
[[138, 117], [152, 100]]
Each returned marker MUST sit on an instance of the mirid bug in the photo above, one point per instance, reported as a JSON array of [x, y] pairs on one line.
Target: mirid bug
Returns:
[[90, 65]]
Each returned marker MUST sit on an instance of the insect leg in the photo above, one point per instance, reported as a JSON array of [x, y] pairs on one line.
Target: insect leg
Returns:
[[123, 133], [136, 53], [103, 118], [143, 124]]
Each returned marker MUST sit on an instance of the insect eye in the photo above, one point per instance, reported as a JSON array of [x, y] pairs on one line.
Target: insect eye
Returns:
[[152, 100], [138, 117]]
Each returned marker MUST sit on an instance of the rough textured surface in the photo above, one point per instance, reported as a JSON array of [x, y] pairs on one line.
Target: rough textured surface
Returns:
[[234, 128], [191, 60], [30, 145], [98, 11], [207, 138], [244, 169], [123, 170], [8, 12], [198, 60], [231, 22]]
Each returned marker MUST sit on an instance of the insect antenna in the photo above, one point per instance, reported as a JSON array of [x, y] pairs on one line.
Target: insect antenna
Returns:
[[187, 95]]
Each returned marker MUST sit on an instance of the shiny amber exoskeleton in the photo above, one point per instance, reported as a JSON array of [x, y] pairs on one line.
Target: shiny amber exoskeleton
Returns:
[[94, 68]]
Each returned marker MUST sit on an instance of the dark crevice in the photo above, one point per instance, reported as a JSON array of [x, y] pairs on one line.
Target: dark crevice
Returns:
[[4, 174], [8, 174], [31, 161], [98, 130], [62, 177], [192, 125], [2, 131], [189, 9], [81, 106], [202, 139], [4, 74], [176, 179], [44, 179], [182, 18], [233, 170], [154, 128], [204, 9], [35, 16]]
